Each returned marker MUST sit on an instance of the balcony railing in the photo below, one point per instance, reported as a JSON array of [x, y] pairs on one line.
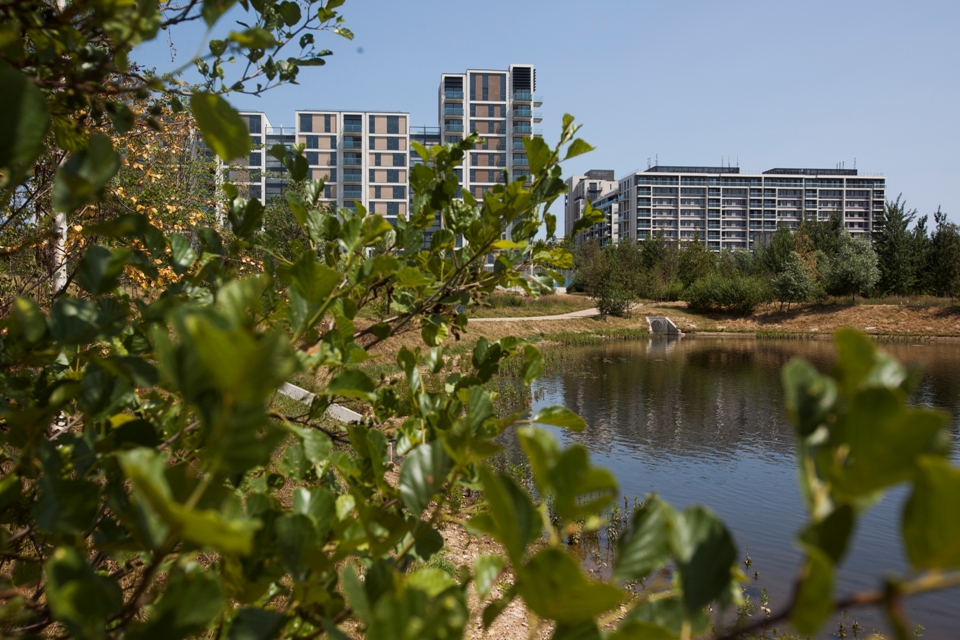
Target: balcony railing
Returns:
[[521, 162], [450, 94], [353, 128], [352, 176], [537, 116], [537, 101], [522, 128], [352, 159], [453, 111], [523, 112], [522, 95], [453, 127]]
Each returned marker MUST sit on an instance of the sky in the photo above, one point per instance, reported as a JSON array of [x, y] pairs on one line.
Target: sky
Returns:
[[763, 84]]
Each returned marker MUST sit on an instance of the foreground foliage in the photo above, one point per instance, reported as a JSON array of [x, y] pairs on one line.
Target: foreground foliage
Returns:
[[151, 487]]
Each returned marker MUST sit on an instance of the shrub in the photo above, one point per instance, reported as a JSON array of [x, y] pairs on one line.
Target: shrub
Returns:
[[736, 294], [794, 282]]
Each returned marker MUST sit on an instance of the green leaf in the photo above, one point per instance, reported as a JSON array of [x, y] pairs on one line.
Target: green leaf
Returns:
[[182, 254], [431, 581], [931, 518], [309, 286], [213, 9], [589, 218], [423, 474], [554, 587], [30, 321], [352, 383], [79, 598], [538, 153], [663, 618], [512, 519], [434, 330], [576, 148], [190, 602], [100, 269], [290, 12], [66, 506], [640, 630], [645, 547], [256, 624], [222, 127], [356, 596], [583, 631], [486, 570], [373, 229], [814, 600], [558, 416], [831, 534], [705, 556], [26, 121], [83, 177], [809, 397], [413, 277]]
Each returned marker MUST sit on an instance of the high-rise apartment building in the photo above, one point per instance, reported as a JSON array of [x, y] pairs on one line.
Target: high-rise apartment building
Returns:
[[500, 106], [729, 210]]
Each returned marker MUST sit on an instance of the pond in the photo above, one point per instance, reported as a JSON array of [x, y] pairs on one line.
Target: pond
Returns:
[[701, 420]]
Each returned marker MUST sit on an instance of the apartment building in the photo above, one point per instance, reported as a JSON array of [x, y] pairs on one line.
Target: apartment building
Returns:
[[500, 106], [428, 137], [363, 155], [584, 189], [729, 210]]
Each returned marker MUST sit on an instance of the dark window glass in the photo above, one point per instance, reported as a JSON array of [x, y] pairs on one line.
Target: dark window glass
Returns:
[[376, 159], [376, 192], [254, 124], [399, 160], [255, 159], [313, 157], [306, 123], [327, 124], [373, 124], [333, 175], [399, 193], [393, 124], [393, 144], [313, 142], [393, 208], [373, 176], [352, 124], [255, 192], [393, 175]]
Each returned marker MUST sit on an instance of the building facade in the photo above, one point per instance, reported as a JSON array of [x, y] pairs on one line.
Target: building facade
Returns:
[[500, 106], [584, 189], [729, 210]]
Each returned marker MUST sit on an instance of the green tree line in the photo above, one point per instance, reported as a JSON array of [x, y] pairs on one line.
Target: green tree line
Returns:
[[817, 260]]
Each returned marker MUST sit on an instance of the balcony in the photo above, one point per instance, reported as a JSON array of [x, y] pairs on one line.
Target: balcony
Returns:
[[537, 116], [451, 94], [521, 162], [349, 127], [453, 110], [522, 112], [352, 176], [352, 159], [453, 126], [537, 101], [524, 96], [522, 128], [518, 146]]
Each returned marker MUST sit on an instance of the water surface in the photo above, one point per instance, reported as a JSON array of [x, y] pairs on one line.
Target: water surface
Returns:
[[701, 420]]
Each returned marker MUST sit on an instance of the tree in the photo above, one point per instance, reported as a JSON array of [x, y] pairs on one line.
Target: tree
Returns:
[[773, 258], [853, 269], [694, 262], [943, 261], [896, 249], [794, 282], [610, 278]]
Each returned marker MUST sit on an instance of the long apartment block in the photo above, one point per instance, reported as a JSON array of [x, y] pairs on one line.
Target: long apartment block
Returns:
[[727, 209]]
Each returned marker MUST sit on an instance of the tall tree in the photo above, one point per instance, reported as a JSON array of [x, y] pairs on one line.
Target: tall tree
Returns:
[[943, 257], [772, 258], [896, 247]]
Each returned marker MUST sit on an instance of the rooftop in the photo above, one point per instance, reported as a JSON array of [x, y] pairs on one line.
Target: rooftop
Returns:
[[660, 169], [812, 172]]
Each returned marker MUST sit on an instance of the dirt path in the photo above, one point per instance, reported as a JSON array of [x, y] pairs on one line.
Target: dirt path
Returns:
[[583, 313]]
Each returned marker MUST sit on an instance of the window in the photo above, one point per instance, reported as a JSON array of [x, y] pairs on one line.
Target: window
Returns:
[[352, 191], [313, 142], [255, 159], [253, 124], [373, 175], [255, 192], [473, 111], [376, 193], [393, 175], [373, 124], [313, 157], [328, 191], [393, 208], [399, 160], [453, 139], [376, 159], [352, 124], [333, 175], [306, 122], [393, 144], [393, 124], [327, 123], [399, 193]]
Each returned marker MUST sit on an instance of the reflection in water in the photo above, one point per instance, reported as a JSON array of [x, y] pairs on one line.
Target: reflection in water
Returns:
[[701, 421]]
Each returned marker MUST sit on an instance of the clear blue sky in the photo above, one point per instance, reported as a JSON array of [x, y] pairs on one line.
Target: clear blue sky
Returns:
[[781, 84]]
